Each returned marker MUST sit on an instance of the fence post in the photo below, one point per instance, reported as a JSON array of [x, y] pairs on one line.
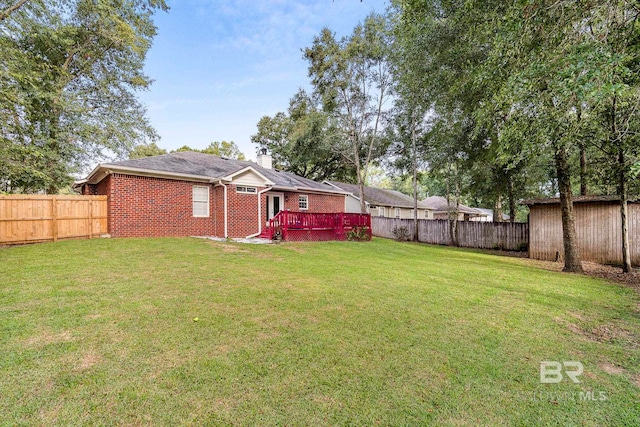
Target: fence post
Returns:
[[54, 218], [90, 218]]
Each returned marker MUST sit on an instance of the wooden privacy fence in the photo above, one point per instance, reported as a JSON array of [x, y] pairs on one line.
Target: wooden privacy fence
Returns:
[[481, 235], [41, 218]]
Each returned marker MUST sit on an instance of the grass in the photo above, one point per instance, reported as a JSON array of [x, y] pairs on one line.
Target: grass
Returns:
[[102, 332]]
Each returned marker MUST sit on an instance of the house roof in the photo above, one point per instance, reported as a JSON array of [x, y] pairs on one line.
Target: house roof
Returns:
[[440, 204], [489, 212], [205, 167], [578, 199], [380, 196]]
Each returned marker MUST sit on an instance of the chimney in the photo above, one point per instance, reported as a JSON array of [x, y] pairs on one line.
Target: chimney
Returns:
[[265, 159]]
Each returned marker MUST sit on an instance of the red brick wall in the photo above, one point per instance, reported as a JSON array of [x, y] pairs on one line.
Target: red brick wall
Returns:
[[243, 212], [152, 207], [318, 203]]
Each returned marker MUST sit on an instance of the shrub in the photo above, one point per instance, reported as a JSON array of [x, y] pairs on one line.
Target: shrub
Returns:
[[401, 233], [359, 234]]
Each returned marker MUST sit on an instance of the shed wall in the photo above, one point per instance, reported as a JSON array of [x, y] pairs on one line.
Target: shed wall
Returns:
[[597, 227]]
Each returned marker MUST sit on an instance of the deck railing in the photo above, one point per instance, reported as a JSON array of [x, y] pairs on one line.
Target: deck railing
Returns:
[[306, 226]]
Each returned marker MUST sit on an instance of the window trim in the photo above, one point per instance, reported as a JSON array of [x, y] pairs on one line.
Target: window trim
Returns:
[[245, 189], [304, 197], [194, 201], [382, 211], [398, 213]]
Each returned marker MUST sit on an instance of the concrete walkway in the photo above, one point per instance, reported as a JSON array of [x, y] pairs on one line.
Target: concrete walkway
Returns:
[[252, 241]]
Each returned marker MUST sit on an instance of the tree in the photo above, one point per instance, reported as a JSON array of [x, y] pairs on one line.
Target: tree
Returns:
[[494, 74], [221, 149], [409, 127], [148, 150], [302, 141], [68, 80], [613, 40], [224, 149], [353, 79], [408, 131]]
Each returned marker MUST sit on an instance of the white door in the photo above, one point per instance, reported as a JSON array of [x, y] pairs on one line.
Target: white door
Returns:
[[274, 205]]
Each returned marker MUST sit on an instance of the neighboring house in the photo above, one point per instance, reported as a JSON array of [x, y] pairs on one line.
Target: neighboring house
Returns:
[[195, 194], [382, 202], [443, 210], [489, 216], [598, 229]]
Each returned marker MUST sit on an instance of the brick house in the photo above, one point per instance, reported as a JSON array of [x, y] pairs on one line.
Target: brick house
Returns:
[[195, 194]]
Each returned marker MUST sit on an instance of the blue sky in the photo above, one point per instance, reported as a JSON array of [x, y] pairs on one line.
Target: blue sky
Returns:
[[219, 66]]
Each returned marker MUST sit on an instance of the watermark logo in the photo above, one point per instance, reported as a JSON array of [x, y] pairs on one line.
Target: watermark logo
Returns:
[[551, 371]]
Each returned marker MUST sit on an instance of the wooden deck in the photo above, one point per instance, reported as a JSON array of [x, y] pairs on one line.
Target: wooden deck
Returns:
[[315, 227]]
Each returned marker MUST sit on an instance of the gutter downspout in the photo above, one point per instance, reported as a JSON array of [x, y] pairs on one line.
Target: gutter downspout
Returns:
[[259, 213], [226, 227]]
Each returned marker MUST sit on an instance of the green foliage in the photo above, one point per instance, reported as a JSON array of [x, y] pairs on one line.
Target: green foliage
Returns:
[[401, 233], [67, 87], [512, 86], [147, 150], [302, 141], [221, 149], [352, 78], [359, 234]]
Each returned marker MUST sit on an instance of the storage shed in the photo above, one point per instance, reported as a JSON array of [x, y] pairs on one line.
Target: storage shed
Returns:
[[598, 228]]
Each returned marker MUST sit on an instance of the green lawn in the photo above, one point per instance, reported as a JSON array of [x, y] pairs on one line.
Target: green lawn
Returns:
[[103, 332]]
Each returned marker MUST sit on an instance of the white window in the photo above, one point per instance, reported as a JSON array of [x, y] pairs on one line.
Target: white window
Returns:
[[303, 202], [426, 214], [397, 212], [246, 190], [200, 201], [382, 211]]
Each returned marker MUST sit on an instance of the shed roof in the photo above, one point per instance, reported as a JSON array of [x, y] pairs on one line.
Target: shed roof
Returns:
[[188, 163], [381, 196], [578, 199]]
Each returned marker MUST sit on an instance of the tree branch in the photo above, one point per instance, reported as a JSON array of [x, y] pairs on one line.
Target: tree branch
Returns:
[[8, 11]]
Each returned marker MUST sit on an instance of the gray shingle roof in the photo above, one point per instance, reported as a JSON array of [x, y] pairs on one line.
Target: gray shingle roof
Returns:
[[489, 212], [440, 203], [206, 165], [381, 197]]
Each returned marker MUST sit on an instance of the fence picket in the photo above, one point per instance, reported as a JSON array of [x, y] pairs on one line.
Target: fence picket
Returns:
[[41, 218], [481, 235]]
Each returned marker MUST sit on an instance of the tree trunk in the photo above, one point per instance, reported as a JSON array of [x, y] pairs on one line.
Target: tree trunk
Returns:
[[512, 200], [616, 141], [454, 218], [415, 180], [583, 170], [497, 209], [622, 189], [449, 213], [583, 154], [572, 261], [361, 178], [363, 205]]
